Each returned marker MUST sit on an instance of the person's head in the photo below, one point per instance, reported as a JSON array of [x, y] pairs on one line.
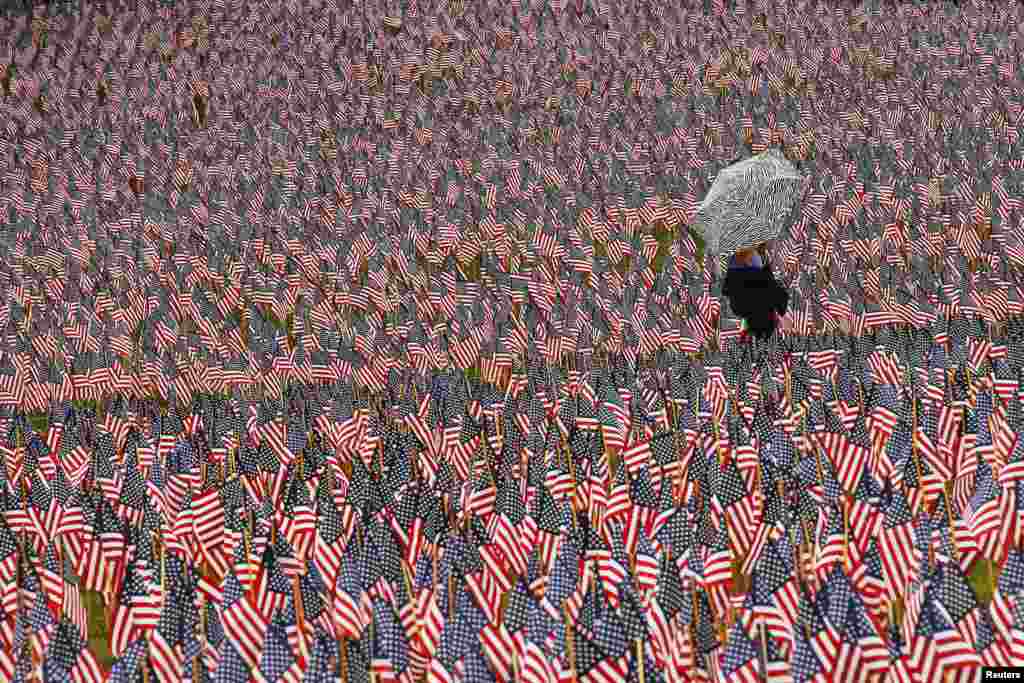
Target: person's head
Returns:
[[745, 256]]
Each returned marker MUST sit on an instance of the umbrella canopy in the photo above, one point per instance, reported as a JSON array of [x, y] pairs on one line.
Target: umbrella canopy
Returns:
[[746, 204]]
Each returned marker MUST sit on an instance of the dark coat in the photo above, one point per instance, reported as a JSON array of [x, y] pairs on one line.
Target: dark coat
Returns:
[[756, 296]]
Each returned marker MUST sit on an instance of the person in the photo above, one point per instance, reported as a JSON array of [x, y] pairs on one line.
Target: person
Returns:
[[754, 294], [747, 258]]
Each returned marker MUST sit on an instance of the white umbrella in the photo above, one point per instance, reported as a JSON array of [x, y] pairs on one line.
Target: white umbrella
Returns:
[[747, 203]]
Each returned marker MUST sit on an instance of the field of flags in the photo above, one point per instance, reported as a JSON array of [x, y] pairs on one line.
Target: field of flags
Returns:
[[812, 518], [358, 343]]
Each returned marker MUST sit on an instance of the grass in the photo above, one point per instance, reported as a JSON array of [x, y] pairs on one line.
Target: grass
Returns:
[[99, 633], [471, 268], [983, 578], [38, 422], [665, 237], [741, 583]]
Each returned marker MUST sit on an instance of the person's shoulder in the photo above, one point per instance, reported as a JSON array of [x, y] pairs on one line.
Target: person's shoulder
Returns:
[[737, 276]]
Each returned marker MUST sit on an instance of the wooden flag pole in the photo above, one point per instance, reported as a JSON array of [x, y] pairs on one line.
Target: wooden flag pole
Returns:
[[407, 575], [817, 460], [970, 381], [797, 560], [789, 385], [696, 604], [949, 519], [570, 646], [300, 616], [247, 537], [764, 649], [451, 595], [718, 444], [640, 659], [846, 533]]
